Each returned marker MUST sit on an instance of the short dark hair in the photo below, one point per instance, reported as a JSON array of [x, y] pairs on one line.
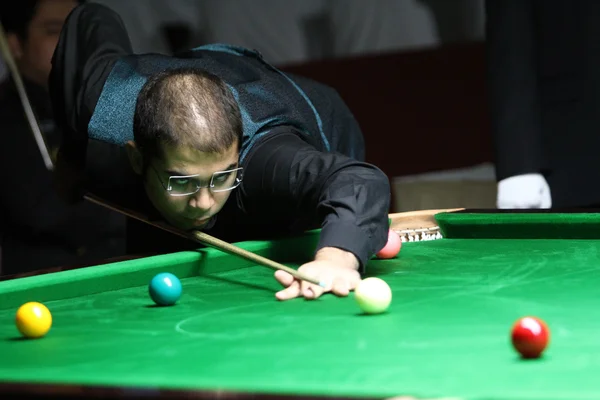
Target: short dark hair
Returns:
[[186, 107], [16, 16]]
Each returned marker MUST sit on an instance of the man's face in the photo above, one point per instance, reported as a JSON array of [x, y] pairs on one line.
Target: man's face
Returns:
[[34, 53], [191, 211]]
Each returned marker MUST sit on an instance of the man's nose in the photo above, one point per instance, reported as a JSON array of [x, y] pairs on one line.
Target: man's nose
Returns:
[[202, 200]]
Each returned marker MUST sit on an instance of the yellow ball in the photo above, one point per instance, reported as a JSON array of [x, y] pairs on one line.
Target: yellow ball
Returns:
[[33, 320], [373, 295]]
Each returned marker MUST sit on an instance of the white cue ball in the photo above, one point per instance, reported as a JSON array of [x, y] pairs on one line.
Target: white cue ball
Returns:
[[373, 295]]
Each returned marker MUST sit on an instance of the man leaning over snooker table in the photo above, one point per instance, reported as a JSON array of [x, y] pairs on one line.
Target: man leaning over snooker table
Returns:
[[216, 139]]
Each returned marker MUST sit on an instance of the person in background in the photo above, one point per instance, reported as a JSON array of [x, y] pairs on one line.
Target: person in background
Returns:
[[37, 229], [544, 81]]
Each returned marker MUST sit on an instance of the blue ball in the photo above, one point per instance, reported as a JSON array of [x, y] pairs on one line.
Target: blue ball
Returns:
[[165, 289]]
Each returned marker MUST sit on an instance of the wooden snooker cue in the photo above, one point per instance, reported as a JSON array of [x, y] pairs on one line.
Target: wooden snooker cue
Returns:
[[35, 128], [208, 240]]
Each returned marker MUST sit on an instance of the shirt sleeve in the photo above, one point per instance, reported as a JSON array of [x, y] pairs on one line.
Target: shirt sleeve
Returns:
[[92, 40], [349, 199], [513, 85]]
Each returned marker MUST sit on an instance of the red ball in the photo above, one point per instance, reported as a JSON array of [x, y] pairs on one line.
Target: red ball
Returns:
[[530, 336], [392, 247]]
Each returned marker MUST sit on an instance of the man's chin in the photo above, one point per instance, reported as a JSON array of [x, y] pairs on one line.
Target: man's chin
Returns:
[[179, 224], [187, 224], [190, 225]]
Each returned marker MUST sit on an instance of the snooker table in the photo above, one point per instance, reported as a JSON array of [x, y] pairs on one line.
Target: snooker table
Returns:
[[445, 335]]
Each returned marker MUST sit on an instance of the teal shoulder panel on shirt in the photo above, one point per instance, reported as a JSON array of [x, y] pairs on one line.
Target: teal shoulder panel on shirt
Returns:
[[266, 96]]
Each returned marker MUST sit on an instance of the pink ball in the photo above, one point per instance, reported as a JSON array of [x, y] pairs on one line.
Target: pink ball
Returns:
[[392, 247]]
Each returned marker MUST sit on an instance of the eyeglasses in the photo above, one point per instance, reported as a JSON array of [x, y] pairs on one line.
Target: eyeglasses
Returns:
[[186, 185]]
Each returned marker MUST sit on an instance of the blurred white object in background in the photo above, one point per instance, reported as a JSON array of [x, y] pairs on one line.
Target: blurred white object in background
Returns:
[[524, 191]]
